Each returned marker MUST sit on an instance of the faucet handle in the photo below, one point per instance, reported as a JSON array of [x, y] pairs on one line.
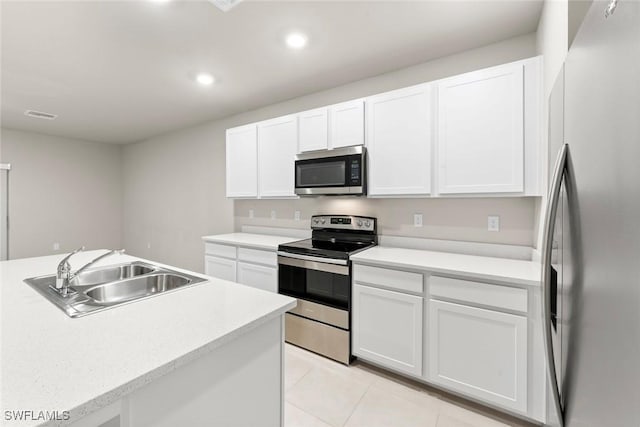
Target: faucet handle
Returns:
[[66, 259]]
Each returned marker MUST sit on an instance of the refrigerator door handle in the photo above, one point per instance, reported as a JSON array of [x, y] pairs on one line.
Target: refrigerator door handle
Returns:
[[547, 246]]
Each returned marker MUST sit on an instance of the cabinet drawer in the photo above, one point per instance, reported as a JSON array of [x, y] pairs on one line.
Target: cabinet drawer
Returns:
[[258, 256], [217, 249], [502, 297], [393, 279]]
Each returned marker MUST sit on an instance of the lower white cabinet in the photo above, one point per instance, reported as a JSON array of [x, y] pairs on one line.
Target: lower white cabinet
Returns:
[[258, 276], [479, 352], [387, 328], [221, 268]]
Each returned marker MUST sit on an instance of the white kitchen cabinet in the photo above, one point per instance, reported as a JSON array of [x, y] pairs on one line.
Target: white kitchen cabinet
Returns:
[[258, 276], [346, 124], [387, 328], [313, 130], [399, 142], [481, 133], [277, 147], [242, 162], [222, 268], [478, 352]]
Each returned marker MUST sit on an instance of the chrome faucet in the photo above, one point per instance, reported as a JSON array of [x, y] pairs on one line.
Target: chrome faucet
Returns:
[[64, 274]]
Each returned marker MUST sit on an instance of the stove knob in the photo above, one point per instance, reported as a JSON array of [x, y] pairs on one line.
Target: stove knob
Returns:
[[367, 223], [359, 223], [323, 221], [315, 221]]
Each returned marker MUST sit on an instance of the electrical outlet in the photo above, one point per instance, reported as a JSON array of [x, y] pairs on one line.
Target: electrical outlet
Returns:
[[296, 215], [148, 245], [493, 223], [417, 220], [273, 214], [251, 213], [56, 246]]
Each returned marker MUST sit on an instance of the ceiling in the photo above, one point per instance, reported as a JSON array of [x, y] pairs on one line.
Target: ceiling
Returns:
[[124, 71]]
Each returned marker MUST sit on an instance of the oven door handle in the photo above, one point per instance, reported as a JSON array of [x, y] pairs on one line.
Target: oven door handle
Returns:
[[313, 263], [313, 258]]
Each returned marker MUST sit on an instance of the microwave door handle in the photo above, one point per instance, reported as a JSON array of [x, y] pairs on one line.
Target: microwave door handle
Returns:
[[547, 247]]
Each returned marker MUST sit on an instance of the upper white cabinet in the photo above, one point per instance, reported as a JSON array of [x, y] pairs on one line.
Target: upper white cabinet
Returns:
[[277, 146], [399, 142], [340, 125], [473, 134], [481, 131], [242, 162], [313, 126], [346, 124]]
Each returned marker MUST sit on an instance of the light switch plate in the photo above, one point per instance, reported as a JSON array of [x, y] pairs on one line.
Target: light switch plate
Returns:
[[417, 220], [251, 213], [296, 215], [493, 223], [273, 214], [56, 246]]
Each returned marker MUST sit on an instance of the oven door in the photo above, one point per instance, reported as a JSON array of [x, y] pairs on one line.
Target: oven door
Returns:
[[314, 280]]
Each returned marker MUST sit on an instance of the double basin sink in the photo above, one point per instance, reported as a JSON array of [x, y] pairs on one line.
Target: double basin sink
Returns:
[[102, 288]]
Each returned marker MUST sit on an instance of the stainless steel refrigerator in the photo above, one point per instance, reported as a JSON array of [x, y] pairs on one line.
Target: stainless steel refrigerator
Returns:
[[591, 250]]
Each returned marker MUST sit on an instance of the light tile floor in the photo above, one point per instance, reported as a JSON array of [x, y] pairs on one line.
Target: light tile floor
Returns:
[[323, 393]]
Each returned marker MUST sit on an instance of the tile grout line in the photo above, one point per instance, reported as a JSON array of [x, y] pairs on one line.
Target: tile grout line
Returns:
[[307, 412], [356, 405]]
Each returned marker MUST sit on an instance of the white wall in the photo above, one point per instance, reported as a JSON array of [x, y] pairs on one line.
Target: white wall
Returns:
[[449, 219], [175, 189], [61, 190], [174, 193]]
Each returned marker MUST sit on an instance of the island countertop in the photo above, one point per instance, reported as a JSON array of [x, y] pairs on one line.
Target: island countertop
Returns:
[[52, 362]]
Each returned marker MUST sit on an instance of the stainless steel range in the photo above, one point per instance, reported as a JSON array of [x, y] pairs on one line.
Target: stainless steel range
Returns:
[[317, 272]]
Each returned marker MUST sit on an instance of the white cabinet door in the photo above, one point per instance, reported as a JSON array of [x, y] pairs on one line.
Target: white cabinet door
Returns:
[[481, 131], [242, 162], [258, 276], [346, 121], [220, 267], [313, 130], [387, 328], [478, 352], [399, 142], [277, 146]]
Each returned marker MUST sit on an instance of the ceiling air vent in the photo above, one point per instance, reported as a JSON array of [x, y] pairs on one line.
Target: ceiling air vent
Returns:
[[40, 115], [225, 5]]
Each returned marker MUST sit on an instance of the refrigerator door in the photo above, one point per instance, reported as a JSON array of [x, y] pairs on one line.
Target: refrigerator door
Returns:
[[600, 216]]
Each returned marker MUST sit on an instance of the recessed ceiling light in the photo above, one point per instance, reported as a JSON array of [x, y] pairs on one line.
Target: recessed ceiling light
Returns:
[[296, 40], [205, 79]]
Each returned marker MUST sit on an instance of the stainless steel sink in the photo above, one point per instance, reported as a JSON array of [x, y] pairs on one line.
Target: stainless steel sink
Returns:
[[138, 287], [102, 288]]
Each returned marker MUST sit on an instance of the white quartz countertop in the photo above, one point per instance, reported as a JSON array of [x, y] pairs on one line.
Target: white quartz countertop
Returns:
[[53, 362], [250, 240], [509, 271]]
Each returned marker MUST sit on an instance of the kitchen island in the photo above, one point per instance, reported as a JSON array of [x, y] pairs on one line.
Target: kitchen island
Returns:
[[207, 354]]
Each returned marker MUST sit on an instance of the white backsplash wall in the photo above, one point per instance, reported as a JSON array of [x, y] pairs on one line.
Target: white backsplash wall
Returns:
[[449, 219]]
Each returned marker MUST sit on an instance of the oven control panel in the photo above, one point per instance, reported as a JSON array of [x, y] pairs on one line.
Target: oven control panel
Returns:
[[344, 222]]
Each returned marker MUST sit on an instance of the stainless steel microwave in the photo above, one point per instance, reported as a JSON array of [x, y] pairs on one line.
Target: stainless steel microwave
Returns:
[[334, 172]]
